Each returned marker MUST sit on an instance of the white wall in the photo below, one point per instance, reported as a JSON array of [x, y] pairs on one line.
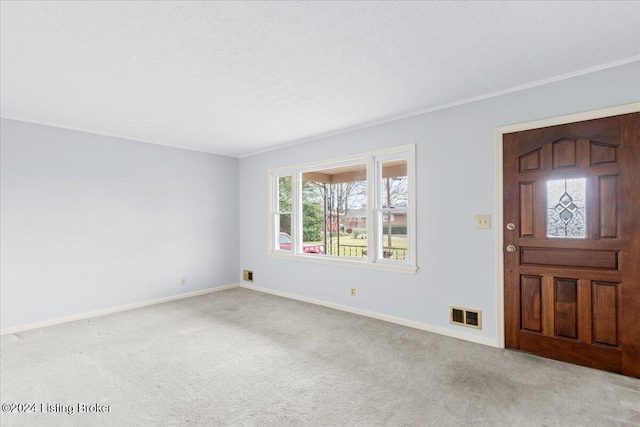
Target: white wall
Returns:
[[92, 222], [455, 158]]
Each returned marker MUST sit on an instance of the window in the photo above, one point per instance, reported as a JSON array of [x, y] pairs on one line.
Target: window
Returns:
[[331, 201], [393, 198], [282, 214], [566, 208], [357, 210]]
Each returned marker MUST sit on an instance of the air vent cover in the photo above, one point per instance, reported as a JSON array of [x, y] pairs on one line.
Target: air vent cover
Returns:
[[463, 316], [471, 318], [247, 275], [457, 315]]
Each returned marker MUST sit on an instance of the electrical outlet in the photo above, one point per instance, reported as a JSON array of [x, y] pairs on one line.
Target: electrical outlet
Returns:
[[353, 292], [247, 275], [483, 221], [183, 281]]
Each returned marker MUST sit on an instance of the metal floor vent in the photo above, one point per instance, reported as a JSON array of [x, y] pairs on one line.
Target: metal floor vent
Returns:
[[463, 316]]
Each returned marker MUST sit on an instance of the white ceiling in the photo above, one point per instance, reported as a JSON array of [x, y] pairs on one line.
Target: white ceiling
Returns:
[[236, 78]]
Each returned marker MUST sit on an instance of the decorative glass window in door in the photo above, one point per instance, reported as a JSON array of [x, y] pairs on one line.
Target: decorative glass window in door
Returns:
[[566, 208]]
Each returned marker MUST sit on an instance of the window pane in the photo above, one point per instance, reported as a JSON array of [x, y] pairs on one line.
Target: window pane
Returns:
[[334, 212], [283, 225], [393, 242], [566, 208], [392, 220], [394, 188], [284, 194]]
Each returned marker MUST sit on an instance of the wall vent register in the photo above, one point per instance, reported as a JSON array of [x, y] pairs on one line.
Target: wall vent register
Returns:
[[247, 275], [468, 317]]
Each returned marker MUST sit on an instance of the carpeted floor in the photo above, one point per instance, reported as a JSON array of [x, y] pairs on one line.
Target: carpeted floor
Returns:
[[243, 358]]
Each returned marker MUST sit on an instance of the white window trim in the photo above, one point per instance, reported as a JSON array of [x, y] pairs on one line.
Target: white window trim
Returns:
[[373, 161]]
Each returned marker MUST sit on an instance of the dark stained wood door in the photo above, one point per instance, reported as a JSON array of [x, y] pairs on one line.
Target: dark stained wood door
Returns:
[[572, 220]]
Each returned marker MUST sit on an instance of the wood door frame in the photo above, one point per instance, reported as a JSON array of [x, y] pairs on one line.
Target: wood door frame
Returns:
[[499, 217]]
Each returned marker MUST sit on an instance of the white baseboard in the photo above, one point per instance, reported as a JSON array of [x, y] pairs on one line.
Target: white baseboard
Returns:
[[57, 321], [404, 322], [374, 315]]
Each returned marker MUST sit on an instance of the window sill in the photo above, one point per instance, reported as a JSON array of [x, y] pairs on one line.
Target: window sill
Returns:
[[323, 259]]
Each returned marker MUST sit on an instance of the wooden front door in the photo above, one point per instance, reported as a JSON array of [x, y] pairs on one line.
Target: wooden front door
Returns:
[[572, 242]]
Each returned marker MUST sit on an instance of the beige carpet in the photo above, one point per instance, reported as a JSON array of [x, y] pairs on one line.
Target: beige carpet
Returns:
[[243, 358]]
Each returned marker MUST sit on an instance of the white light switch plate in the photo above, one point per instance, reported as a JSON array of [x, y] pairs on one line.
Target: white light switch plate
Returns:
[[483, 221]]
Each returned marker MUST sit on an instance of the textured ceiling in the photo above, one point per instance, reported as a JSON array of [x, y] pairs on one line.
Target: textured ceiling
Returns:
[[236, 78]]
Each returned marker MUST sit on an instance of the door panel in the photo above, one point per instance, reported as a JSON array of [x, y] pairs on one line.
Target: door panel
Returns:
[[605, 313], [566, 308], [592, 258], [564, 154], [609, 193], [572, 289], [531, 303]]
